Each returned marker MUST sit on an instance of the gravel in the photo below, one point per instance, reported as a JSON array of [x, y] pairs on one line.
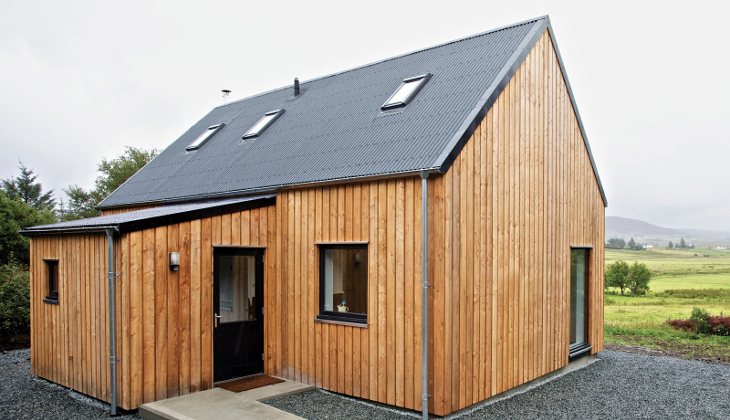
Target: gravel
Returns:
[[24, 396], [618, 385]]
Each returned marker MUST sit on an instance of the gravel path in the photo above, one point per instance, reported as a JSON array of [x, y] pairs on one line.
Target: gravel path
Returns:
[[24, 396], [617, 386]]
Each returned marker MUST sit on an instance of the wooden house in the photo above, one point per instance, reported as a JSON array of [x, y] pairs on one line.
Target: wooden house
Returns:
[[293, 232]]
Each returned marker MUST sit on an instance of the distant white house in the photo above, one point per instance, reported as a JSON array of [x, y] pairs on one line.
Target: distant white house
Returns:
[[646, 246], [721, 247]]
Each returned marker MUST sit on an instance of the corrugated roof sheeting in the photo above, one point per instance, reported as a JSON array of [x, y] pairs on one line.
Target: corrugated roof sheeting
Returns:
[[145, 214], [334, 129]]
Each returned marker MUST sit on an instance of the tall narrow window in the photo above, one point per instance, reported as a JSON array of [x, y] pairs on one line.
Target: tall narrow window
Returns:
[[52, 273], [263, 123], [204, 136], [343, 283], [579, 301], [406, 91]]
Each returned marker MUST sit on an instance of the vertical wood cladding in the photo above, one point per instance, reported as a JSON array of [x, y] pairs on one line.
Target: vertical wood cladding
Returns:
[[501, 224], [519, 195], [127, 209], [164, 318]]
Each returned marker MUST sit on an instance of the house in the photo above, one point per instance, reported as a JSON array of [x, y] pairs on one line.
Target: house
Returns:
[[435, 216]]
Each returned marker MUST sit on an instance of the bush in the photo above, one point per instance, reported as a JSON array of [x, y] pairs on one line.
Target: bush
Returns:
[[699, 320], [14, 300]]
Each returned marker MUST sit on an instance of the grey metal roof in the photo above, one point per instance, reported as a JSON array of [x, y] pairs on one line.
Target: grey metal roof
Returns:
[[335, 129], [157, 216]]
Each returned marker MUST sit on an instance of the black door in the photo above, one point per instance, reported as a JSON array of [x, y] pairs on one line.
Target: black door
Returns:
[[238, 336]]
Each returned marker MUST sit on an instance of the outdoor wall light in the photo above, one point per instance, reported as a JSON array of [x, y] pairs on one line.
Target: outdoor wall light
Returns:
[[358, 259], [174, 261]]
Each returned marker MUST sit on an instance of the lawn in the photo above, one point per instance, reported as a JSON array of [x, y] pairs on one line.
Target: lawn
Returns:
[[675, 274]]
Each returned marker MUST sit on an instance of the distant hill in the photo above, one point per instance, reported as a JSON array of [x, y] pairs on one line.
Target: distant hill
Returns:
[[646, 233], [624, 226]]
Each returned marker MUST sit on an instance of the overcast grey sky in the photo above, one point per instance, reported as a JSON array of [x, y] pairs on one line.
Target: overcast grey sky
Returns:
[[80, 80]]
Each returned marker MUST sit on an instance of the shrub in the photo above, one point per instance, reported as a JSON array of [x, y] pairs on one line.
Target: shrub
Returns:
[[699, 320], [681, 324], [14, 300]]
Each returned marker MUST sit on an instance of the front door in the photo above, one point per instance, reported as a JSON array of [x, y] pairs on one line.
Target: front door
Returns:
[[579, 301], [238, 333]]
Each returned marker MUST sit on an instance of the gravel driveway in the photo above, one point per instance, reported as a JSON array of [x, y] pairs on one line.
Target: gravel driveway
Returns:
[[617, 386], [23, 396]]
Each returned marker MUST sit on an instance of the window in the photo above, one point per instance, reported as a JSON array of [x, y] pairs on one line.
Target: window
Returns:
[[263, 123], [579, 301], [52, 272], [205, 136], [406, 92], [343, 283]]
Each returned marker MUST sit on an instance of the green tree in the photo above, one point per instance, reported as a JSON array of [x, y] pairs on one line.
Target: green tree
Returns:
[[112, 174], [617, 275], [632, 244], [682, 244], [616, 243], [15, 215], [14, 300], [639, 277], [24, 188], [671, 245]]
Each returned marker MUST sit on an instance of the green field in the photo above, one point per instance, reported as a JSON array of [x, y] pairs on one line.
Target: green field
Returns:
[[642, 318]]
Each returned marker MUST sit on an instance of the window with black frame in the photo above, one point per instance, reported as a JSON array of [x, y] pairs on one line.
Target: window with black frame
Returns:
[[343, 283], [52, 272]]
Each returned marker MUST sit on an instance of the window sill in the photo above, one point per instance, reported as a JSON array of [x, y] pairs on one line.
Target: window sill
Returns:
[[51, 301], [345, 323]]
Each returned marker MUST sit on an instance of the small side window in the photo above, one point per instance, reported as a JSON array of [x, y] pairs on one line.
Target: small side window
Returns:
[[52, 281], [343, 283]]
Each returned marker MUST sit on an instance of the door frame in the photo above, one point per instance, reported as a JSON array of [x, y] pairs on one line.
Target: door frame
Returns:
[[581, 349], [259, 252]]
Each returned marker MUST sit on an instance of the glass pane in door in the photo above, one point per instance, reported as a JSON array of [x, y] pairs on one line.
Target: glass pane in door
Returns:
[[237, 288], [578, 296]]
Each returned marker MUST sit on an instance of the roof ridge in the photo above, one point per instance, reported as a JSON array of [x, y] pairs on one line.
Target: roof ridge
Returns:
[[443, 44]]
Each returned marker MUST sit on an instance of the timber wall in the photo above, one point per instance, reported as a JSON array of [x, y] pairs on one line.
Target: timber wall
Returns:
[[519, 195], [164, 318], [127, 209]]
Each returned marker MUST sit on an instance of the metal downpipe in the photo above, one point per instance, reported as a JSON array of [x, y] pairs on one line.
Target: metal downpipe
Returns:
[[112, 323], [424, 305]]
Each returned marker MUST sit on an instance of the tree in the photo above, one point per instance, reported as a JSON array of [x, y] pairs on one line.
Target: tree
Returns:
[[632, 244], [15, 215], [617, 275], [671, 245], [682, 244], [639, 277], [616, 243], [25, 189], [112, 174]]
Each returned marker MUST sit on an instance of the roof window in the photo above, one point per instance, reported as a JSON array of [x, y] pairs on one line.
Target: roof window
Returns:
[[205, 136], [406, 92], [263, 123]]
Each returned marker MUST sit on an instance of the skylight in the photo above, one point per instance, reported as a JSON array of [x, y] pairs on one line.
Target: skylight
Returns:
[[205, 136], [406, 92], [263, 123]]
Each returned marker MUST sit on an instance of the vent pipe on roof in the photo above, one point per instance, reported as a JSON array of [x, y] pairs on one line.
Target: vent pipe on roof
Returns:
[[226, 95], [296, 86]]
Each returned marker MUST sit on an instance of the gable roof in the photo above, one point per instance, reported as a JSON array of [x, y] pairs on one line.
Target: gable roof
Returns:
[[335, 130]]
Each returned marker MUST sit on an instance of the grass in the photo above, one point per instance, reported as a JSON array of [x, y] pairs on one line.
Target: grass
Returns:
[[681, 282]]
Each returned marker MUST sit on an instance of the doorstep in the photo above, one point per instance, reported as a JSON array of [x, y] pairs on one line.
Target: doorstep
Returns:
[[217, 403]]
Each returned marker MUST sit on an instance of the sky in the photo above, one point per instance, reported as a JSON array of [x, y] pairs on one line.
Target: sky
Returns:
[[81, 80]]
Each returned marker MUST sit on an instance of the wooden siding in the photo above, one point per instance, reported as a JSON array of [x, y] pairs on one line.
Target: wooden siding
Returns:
[[164, 318], [127, 209], [381, 362], [519, 195], [69, 341]]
